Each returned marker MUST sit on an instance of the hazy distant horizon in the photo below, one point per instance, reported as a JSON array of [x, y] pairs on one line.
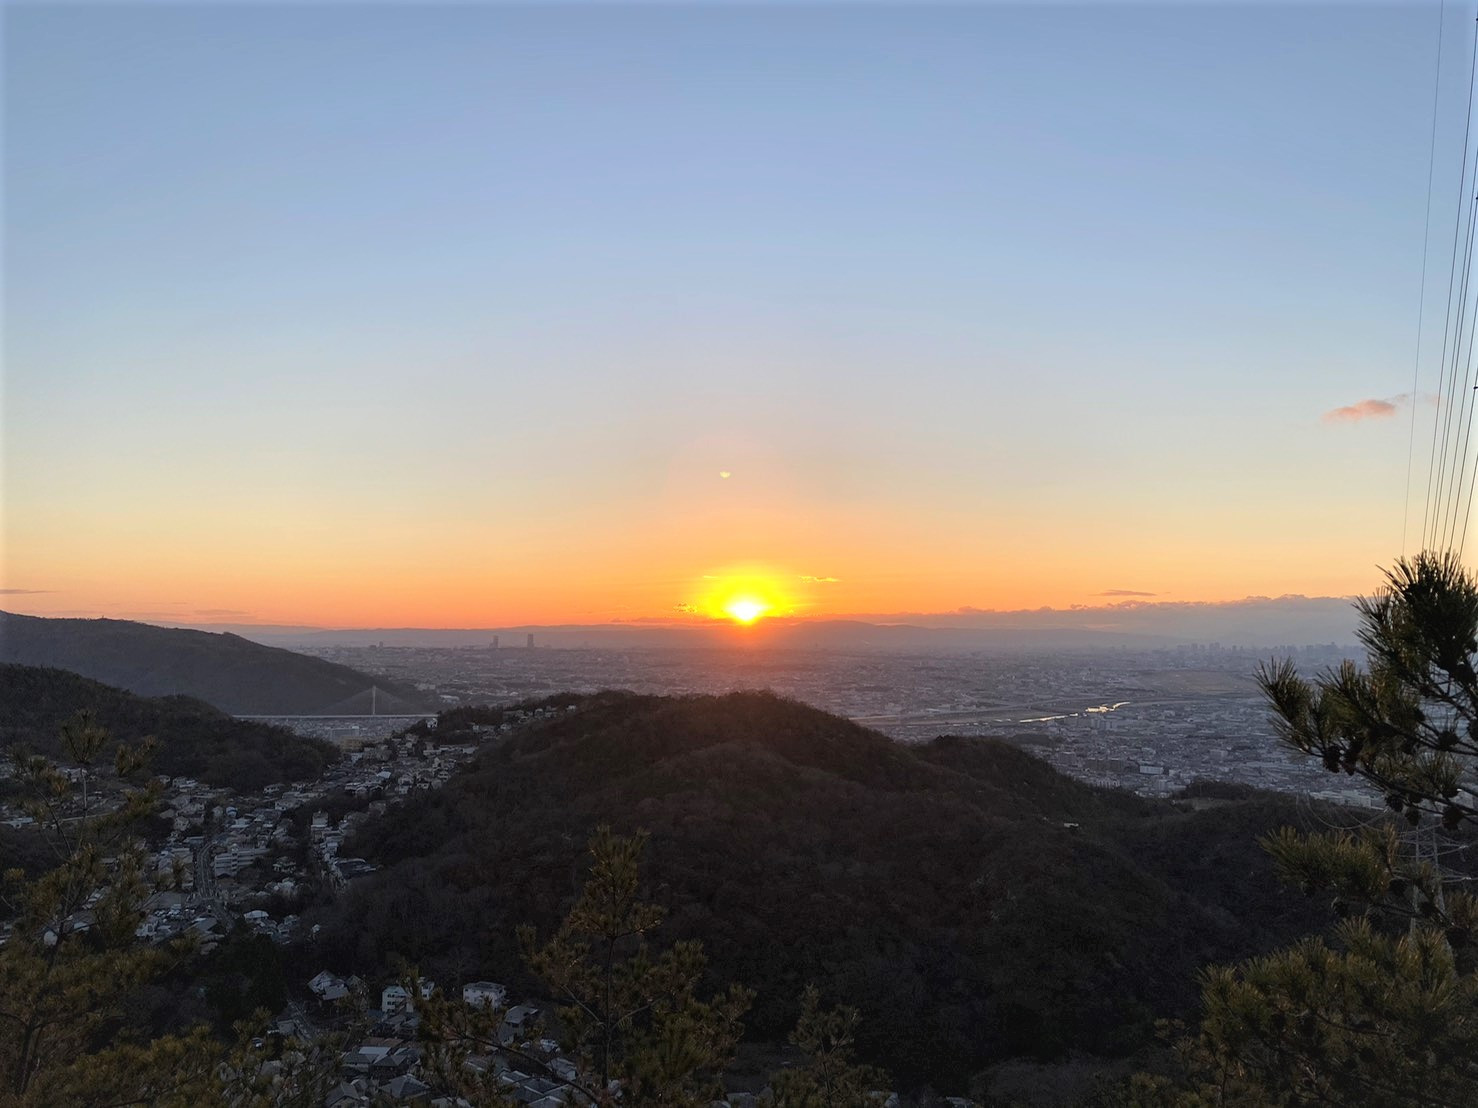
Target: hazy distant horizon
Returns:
[[1251, 622]]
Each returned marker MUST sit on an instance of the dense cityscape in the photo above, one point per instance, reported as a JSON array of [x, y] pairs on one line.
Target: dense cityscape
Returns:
[[1150, 721]]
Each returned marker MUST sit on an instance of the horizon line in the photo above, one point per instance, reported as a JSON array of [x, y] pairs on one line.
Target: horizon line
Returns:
[[692, 622]]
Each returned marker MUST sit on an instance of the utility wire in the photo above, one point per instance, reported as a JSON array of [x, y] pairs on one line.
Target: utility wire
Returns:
[[1464, 424], [1462, 355], [1421, 303], [1461, 509], [1451, 473], [1468, 511], [1437, 456], [1453, 335]]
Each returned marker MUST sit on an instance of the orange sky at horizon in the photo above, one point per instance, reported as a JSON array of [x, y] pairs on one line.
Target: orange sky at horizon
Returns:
[[404, 580], [592, 548], [574, 316]]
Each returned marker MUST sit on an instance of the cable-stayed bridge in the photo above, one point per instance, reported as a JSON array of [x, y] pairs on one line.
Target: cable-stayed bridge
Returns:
[[371, 703]]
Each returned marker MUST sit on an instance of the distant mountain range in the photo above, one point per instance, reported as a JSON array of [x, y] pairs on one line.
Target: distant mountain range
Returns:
[[1256, 622], [195, 740], [224, 670], [975, 904], [784, 634]]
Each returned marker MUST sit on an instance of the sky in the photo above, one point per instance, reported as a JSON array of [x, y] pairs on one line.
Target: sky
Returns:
[[475, 315]]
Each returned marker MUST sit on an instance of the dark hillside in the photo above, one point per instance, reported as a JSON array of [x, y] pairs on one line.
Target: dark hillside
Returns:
[[941, 888], [195, 740], [1032, 783], [227, 671]]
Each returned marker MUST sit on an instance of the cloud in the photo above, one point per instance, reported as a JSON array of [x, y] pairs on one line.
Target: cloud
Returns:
[[1125, 592], [808, 579], [24, 592], [1367, 409], [687, 609]]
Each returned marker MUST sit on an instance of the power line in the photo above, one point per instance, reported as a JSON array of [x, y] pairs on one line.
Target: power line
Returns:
[[1460, 445], [1462, 351], [1451, 340], [1462, 355], [1421, 303]]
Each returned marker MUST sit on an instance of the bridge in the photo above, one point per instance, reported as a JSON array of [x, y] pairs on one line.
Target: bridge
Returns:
[[372, 703]]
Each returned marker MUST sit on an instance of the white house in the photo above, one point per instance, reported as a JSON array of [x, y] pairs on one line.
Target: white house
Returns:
[[327, 987], [484, 994], [395, 999]]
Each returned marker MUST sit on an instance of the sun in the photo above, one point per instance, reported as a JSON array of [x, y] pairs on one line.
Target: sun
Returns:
[[742, 594], [745, 609]]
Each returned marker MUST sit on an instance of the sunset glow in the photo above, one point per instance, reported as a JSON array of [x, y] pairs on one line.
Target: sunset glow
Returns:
[[833, 444], [745, 595], [746, 609], [740, 323]]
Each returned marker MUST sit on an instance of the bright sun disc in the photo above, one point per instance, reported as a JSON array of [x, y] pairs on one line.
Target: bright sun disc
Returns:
[[741, 594], [746, 609]]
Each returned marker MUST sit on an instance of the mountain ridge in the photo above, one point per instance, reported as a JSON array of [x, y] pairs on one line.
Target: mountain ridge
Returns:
[[195, 739], [974, 903], [228, 671]]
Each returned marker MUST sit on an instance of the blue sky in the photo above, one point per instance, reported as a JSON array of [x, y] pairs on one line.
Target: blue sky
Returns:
[[997, 279]]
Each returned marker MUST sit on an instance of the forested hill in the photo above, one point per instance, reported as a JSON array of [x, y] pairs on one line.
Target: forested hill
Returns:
[[974, 903], [227, 671], [195, 740]]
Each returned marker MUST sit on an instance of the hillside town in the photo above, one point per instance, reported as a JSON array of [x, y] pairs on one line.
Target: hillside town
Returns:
[[230, 860], [228, 857]]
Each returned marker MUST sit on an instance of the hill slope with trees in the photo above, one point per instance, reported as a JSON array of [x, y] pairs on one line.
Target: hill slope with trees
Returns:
[[972, 902], [234, 674], [195, 740]]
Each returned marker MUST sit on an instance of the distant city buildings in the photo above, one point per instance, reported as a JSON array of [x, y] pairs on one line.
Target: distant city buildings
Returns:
[[1152, 721]]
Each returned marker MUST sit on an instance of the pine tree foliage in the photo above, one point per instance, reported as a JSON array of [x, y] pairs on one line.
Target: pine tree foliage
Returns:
[[1373, 1020], [289, 1073], [632, 1016], [1385, 1011], [1408, 722], [461, 1043], [829, 1078], [72, 959]]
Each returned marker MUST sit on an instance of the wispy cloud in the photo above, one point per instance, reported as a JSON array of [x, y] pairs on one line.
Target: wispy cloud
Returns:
[[1371, 408], [24, 592], [1125, 592], [808, 579]]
